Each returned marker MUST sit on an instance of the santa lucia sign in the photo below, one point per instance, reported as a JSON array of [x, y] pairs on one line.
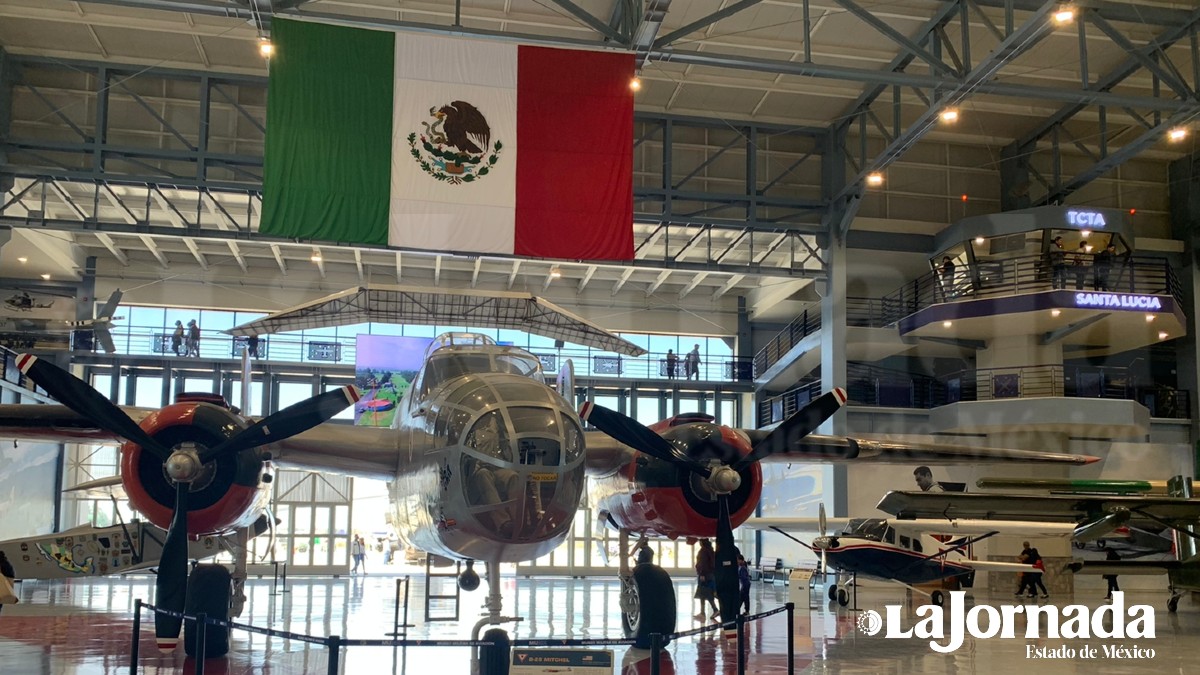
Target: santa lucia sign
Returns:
[[1040, 622], [1126, 301]]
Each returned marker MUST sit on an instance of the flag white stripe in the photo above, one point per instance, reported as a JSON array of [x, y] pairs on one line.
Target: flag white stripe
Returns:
[[478, 215]]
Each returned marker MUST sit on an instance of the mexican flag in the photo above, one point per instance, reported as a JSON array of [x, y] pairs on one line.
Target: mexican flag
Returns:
[[448, 144]]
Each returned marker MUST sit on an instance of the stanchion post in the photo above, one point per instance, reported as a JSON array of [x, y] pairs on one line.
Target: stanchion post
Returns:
[[791, 638], [741, 644], [137, 636], [396, 612], [407, 585], [201, 626], [334, 643], [655, 654], [285, 588]]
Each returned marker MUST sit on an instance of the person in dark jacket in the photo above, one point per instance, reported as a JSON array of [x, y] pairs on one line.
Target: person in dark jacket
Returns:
[[706, 578], [1111, 578], [1058, 264], [744, 583], [6, 569], [672, 363], [1102, 270]]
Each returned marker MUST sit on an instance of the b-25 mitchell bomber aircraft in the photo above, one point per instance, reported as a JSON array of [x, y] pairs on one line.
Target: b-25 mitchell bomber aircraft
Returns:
[[486, 462]]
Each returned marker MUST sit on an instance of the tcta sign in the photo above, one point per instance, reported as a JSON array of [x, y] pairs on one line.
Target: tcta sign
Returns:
[[1086, 218]]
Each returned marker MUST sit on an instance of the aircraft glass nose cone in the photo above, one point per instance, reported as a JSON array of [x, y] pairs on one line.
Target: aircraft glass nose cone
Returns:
[[823, 543]]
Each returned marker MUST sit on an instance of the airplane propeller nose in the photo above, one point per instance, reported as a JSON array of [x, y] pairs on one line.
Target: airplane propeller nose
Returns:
[[823, 543]]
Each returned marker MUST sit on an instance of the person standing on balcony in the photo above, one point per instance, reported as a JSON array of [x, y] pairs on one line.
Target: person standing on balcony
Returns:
[[1082, 261], [692, 363], [1103, 268], [1058, 264], [177, 339], [948, 277], [672, 362], [193, 339]]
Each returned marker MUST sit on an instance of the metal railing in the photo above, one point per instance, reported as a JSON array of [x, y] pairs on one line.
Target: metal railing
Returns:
[[871, 386], [1029, 274], [801, 327]]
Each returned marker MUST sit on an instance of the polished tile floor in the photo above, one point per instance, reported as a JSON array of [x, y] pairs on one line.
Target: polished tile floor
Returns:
[[75, 628]]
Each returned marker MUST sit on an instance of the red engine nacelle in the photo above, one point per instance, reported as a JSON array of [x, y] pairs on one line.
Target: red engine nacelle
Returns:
[[653, 496], [228, 495]]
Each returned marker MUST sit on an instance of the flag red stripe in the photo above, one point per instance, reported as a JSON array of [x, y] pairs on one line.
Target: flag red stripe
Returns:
[[574, 154]]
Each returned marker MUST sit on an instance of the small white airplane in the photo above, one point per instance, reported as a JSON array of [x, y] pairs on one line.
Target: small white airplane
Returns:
[[906, 552], [486, 462]]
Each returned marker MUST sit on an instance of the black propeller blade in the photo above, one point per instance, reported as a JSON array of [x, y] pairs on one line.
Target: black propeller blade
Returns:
[[292, 420], [728, 597], [802, 423], [87, 402], [171, 585], [637, 436]]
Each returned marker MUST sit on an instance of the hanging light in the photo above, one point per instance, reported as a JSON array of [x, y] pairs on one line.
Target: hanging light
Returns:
[[1065, 14], [950, 115], [1177, 134], [875, 179], [266, 48], [636, 83]]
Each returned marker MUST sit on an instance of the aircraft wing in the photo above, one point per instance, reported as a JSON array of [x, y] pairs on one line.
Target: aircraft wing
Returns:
[[341, 448], [817, 448], [796, 524], [1139, 567], [1062, 508]]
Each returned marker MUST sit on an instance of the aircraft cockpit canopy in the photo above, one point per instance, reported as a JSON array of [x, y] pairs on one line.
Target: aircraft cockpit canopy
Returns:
[[458, 340], [448, 364], [874, 529]]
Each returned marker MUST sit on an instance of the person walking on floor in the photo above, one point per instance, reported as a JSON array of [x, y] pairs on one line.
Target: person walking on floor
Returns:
[[672, 363], [193, 339], [706, 580], [1032, 580], [177, 339], [359, 551], [744, 583], [692, 363]]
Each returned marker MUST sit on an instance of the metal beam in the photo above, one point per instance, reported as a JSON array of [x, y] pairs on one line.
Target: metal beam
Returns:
[[621, 281], [195, 249], [399, 267], [590, 21], [475, 272], [1018, 42], [1114, 77], [1057, 334], [279, 259], [587, 277], [66, 199], [704, 22], [658, 281], [1125, 11], [320, 260], [895, 36], [691, 285], [437, 271], [512, 276], [1115, 159], [358, 263], [733, 281], [1146, 62], [154, 250], [112, 248], [236, 251]]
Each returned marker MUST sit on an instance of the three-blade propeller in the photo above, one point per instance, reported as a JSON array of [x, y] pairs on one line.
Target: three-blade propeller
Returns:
[[181, 465], [722, 479]]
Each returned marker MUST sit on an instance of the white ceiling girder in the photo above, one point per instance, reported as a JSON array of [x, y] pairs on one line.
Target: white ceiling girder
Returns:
[[275, 250], [153, 248]]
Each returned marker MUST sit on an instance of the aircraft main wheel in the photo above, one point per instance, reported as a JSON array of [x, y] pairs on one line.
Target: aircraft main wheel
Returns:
[[843, 597], [833, 592], [495, 659], [1173, 604], [209, 592], [938, 598], [651, 596]]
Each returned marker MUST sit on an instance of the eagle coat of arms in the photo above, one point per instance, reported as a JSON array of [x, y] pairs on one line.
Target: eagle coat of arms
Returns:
[[457, 146]]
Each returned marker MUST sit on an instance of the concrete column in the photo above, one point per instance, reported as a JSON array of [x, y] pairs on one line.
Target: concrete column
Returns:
[[1184, 179], [833, 329]]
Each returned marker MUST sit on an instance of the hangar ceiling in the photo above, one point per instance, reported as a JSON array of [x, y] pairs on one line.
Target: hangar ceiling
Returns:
[[1073, 111]]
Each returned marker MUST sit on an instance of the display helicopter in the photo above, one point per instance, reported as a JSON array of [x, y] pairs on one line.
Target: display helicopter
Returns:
[[29, 315], [1094, 513], [486, 462], [905, 552]]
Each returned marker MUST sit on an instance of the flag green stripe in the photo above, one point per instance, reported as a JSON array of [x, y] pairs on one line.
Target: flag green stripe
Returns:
[[328, 150]]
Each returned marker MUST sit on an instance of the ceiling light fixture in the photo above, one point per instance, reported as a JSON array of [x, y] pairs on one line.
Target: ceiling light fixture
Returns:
[[266, 48], [1055, 312], [950, 115], [875, 179], [1086, 233], [1065, 14], [1149, 318], [22, 260], [45, 277], [979, 240], [316, 256], [555, 273], [1162, 335], [947, 324], [636, 83], [1177, 134]]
